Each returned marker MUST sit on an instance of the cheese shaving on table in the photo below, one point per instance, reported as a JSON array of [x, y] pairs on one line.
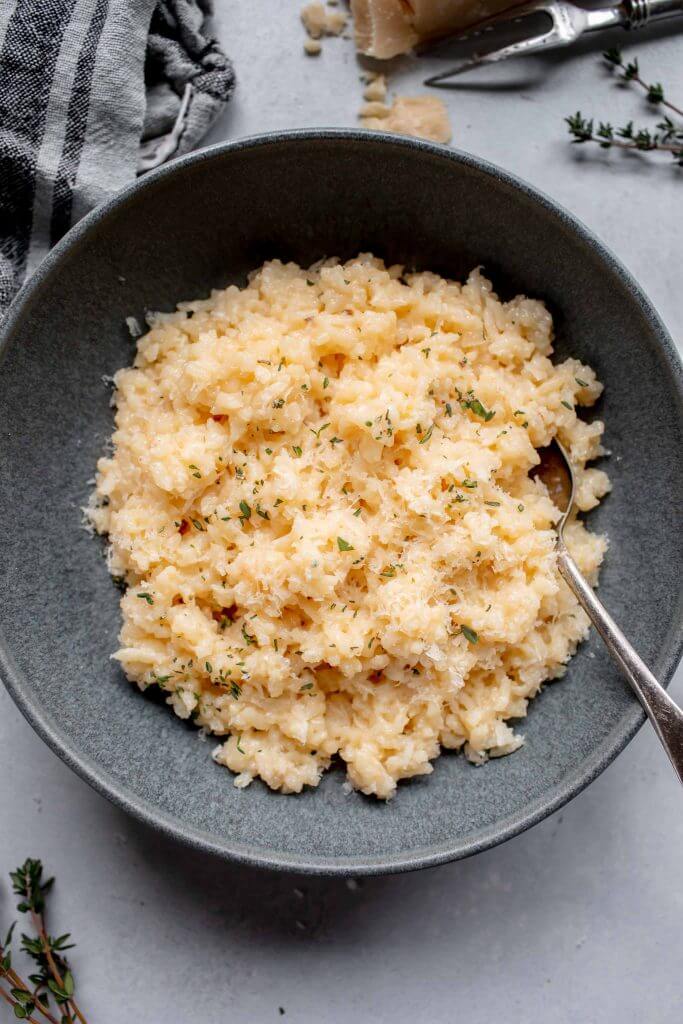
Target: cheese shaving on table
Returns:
[[423, 117], [319, 499]]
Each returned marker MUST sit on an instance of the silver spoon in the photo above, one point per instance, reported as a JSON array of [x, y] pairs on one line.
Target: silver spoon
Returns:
[[557, 474]]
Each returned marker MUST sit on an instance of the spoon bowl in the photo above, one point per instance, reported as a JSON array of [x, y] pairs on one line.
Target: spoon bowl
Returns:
[[556, 472]]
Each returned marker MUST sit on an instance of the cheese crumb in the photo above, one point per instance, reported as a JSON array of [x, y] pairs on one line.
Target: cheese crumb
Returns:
[[423, 117], [375, 87], [320, 21], [312, 47]]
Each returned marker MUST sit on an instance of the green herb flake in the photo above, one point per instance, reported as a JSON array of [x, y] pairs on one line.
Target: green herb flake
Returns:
[[239, 739], [581, 383], [357, 512], [493, 504], [344, 545], [475, 406], [245, 510], [307, 686], [449, 410], [248, 638], [326, 383], [297, 451], [567, 406], [425, 438], [146, 597], [469, 634]]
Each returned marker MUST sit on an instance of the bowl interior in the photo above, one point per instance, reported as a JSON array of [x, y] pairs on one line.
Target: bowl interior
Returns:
[[206, 222]]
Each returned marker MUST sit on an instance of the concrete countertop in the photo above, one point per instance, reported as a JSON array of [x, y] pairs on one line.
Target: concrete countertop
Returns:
[[577, 921]]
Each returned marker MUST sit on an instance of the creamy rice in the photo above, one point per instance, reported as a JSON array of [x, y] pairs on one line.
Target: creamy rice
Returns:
[[319, 497]]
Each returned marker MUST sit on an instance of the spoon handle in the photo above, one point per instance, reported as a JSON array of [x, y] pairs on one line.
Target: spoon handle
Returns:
[[665, 715]]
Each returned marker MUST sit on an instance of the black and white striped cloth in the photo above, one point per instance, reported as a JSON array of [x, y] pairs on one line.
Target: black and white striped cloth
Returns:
[[91, 93]]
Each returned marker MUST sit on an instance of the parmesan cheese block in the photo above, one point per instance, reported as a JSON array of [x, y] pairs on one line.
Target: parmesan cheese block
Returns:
[[385, 28], [319, 498]]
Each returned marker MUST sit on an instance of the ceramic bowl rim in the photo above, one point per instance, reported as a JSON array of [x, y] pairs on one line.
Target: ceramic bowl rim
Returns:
[[145, 811]]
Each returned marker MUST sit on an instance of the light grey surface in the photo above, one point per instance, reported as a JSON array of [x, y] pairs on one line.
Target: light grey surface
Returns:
[[578, 920]]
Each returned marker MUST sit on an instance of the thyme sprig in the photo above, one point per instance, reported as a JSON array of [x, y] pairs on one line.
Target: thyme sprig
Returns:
[[630, 72], [53, 978], [666, 136]]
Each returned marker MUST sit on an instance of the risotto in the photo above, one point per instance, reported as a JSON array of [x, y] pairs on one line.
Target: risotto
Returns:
[[320, 503]]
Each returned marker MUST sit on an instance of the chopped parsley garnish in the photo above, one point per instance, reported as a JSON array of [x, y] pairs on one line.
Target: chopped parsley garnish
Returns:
[[307, 686], [262, 513], [469, 634], [567, 405], [493, 504], [471, 484], [208, 667], [520, 508], [198, 526], [196, 471], [475, 406], [269, 451], [336, 440], [319, 432], [278, 403], [326, 383], [146, 597], [297, 451], [235, 690], [425, 438], [358, 511], [449, 410], [238, 744], [344, 545], [248, 638], [245, 510], [581, 383]]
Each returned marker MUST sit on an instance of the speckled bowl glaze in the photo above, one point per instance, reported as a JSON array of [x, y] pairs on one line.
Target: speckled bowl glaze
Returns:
[[204, 221]]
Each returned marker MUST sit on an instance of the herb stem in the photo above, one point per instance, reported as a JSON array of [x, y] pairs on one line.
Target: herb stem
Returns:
[[12, 1002], [71, 1005], [664, 102], [19, 982], [666, 146]]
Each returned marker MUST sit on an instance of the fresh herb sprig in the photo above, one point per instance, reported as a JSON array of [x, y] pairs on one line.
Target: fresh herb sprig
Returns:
[[53, 979], [630, 72], [666, 136]]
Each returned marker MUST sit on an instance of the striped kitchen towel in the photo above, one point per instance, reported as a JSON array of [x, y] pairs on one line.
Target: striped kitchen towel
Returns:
[[93, 92]]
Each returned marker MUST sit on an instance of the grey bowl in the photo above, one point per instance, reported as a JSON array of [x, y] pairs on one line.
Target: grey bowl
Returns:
[[204, 221]]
